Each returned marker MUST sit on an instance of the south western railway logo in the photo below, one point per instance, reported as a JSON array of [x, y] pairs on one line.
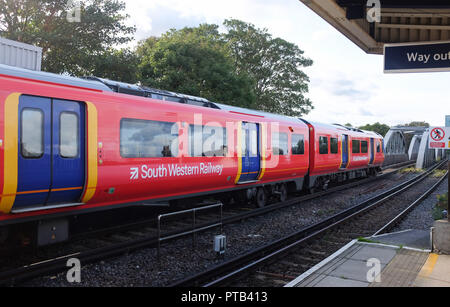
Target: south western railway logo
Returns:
[[437, 134]]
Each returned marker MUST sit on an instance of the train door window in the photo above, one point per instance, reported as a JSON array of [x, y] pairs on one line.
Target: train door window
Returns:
[[32, 136], [356, 146], [364, 147], [148, 139], [334, 145], [323, 145], [69, 141], [280, 144], [207, 141], [253, 142], [379, 146], [298, 144]]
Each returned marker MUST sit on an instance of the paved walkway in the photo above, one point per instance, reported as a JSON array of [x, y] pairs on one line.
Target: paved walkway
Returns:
[[386, 263]]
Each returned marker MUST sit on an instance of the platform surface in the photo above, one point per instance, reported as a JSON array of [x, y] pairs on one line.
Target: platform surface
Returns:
[[384, 261]]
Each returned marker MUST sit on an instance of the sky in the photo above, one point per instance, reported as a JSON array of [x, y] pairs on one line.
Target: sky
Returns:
[[346, 84]]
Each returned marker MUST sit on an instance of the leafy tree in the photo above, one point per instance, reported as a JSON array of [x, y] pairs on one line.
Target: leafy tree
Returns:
[[382, 129], [68, 47], [417, 124], [275, 66], [194, 61], [119, 65]]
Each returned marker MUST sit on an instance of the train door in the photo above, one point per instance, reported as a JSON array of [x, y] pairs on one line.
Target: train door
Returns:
[[251, 158], [344, 151], [372, 150], [51, 154]]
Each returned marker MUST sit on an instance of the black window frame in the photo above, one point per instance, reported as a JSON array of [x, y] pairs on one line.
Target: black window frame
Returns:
[[78, 135], [296, 151], [277, 153], [122, 120], [190, 141], [356, 147], [364, 149], [334, 146], [42, 134], [321, 147]]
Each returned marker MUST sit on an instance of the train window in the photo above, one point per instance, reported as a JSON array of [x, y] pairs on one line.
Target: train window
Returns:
[[334, 145], [355, 146], [207, 141], [173, 99], [323, 145], [364, 147], [280, 144], [253, 138], [32, 133], [148, 139], [68, 135], [298, 144], [379, 146]]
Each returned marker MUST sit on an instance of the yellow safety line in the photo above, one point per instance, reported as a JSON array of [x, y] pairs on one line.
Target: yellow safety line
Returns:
[[427, 269]]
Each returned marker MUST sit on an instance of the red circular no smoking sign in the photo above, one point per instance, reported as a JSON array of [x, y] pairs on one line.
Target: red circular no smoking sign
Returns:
[[437, 134]]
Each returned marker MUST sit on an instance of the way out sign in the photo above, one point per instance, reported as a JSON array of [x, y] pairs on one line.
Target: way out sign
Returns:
[[439, 138], [417, 57]]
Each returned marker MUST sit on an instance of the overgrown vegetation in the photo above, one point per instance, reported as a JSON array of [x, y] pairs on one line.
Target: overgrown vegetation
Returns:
[[411, 170], [441, 207]]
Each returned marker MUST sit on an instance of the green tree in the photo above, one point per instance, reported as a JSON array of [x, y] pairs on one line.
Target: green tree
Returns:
[[119, 65], [417, 124], [382, 129], [68, 47], [194, 61], [275, 66]]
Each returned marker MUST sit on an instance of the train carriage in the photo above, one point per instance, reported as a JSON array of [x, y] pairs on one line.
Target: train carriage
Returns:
[[72, 146]]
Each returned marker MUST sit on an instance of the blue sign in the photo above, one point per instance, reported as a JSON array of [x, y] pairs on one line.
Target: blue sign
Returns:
[[417, 57]]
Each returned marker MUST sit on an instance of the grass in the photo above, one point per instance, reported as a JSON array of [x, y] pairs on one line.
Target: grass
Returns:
[[441, 205], [365, 240], [411, 170], [438, 173]]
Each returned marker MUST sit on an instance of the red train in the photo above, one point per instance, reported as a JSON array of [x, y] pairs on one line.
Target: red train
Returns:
[[73, 146]]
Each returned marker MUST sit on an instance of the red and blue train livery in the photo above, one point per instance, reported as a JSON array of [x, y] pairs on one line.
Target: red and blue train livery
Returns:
[[72, 146]]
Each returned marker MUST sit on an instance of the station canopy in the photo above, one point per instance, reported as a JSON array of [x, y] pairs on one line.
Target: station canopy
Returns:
[[401, 21]]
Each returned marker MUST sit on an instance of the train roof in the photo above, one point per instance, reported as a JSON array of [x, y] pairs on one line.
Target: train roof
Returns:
[[342, 128], [52, 78], [250, 112]]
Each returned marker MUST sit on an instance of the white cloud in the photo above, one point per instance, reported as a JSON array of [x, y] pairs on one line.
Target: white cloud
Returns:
[[347, 85]]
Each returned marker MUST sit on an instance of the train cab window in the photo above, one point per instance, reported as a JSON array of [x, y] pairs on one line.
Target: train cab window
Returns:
[[379, 146], [298, 144], [356, 146], [32, 133], [69, 141], [148, 139], [323, 145], [364, 147], [207, 141], [280, 144], [334, 145]]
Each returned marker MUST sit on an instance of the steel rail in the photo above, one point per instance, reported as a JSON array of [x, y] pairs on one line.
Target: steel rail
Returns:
[[49, 266], [234, 267]]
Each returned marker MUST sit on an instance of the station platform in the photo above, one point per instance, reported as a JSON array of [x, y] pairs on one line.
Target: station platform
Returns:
[[401, 259]]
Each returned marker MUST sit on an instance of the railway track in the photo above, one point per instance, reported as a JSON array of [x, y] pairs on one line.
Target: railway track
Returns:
[[281, 261], [103, 247]]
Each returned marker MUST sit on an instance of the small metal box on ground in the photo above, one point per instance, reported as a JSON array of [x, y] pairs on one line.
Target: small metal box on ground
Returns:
[[220, 244]]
